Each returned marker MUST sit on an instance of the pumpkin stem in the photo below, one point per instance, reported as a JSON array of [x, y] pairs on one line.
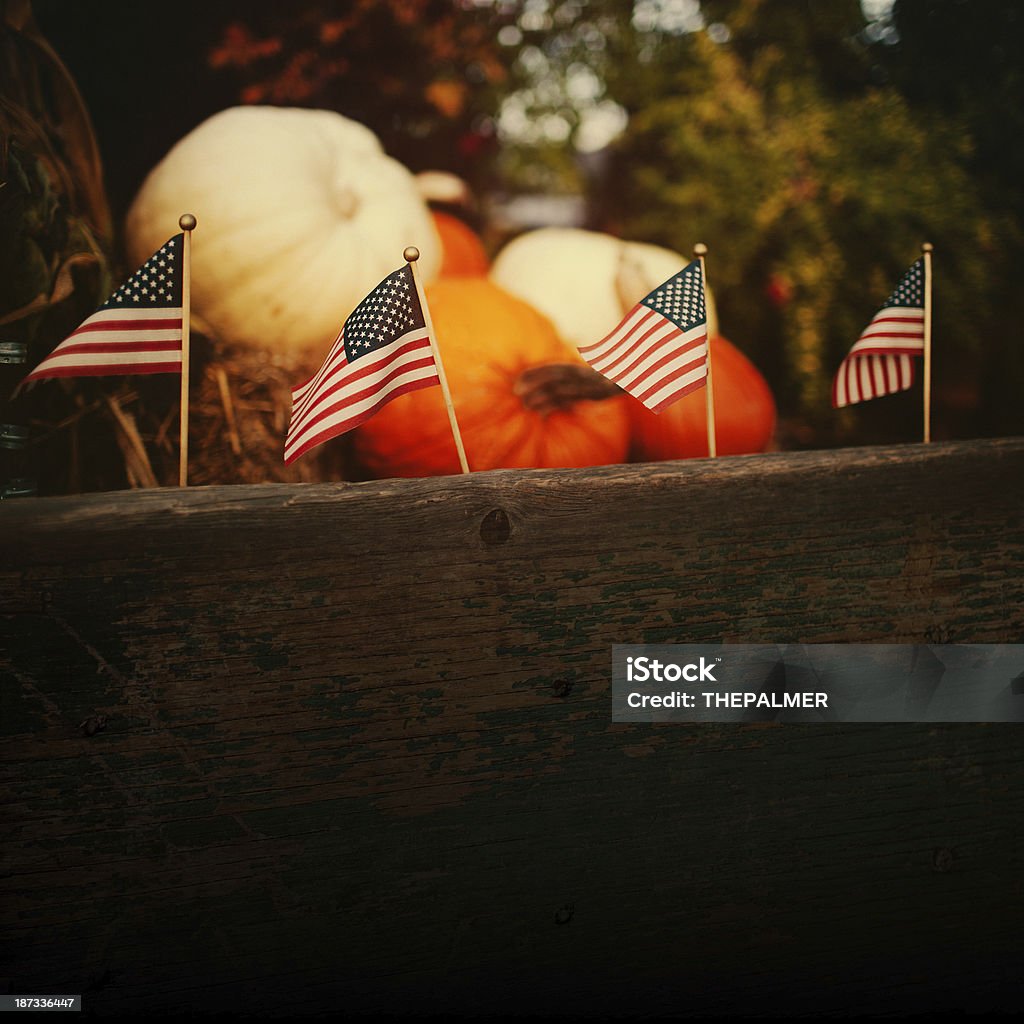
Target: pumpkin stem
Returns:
[[346, 202], [632, 282], [558, 386]]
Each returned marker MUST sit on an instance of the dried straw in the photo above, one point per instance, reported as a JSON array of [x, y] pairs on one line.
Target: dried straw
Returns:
[[241, 403]]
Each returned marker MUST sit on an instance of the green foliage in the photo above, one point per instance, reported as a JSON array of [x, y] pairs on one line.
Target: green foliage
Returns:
[[813, 186]]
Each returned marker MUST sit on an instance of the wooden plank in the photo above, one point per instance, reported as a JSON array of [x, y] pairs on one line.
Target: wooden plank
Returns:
[[358, 750]]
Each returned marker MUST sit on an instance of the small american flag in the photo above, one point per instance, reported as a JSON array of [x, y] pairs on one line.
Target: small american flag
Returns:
[[383, 351], [137, 330], [880, 361], [659, 352]]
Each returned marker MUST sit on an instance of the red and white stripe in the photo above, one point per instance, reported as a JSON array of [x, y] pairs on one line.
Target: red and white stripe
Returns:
[[880, 361], [341, 395], [117, 341], [651, 358]]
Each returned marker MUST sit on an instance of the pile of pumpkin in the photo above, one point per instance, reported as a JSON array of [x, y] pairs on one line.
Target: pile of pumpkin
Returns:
[[301, 213]]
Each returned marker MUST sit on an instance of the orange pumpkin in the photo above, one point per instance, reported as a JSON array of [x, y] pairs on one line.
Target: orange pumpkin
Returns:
[[744, 414], [463, 254], [487, 338]]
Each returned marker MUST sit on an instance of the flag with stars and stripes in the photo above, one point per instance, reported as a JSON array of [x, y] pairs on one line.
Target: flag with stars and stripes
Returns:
[[383, 351], [880, 361], [137, 330], [659, 352]]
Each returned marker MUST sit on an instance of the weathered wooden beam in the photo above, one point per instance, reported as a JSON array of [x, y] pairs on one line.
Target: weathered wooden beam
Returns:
[[274, 747]]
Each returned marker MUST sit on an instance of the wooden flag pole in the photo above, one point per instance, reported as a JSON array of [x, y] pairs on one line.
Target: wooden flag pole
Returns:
[[187, 224], [926, 249], [700, 250], [412, 254]]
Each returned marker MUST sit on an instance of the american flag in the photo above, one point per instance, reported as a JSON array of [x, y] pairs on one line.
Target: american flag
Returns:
[[137, 330], [880, 361], [383, 351], [660, 350]]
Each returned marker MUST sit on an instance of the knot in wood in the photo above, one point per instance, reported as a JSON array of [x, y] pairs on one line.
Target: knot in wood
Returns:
[[561, 687], [495, 528], [93, 724]]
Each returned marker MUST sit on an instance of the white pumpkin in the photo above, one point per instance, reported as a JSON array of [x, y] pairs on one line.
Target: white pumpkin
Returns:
[[300, 214], [583, 281]]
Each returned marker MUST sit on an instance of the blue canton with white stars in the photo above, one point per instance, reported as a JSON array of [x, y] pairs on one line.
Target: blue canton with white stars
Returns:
[[681, 298], [909, 292], [156, 284], [389, 311]]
